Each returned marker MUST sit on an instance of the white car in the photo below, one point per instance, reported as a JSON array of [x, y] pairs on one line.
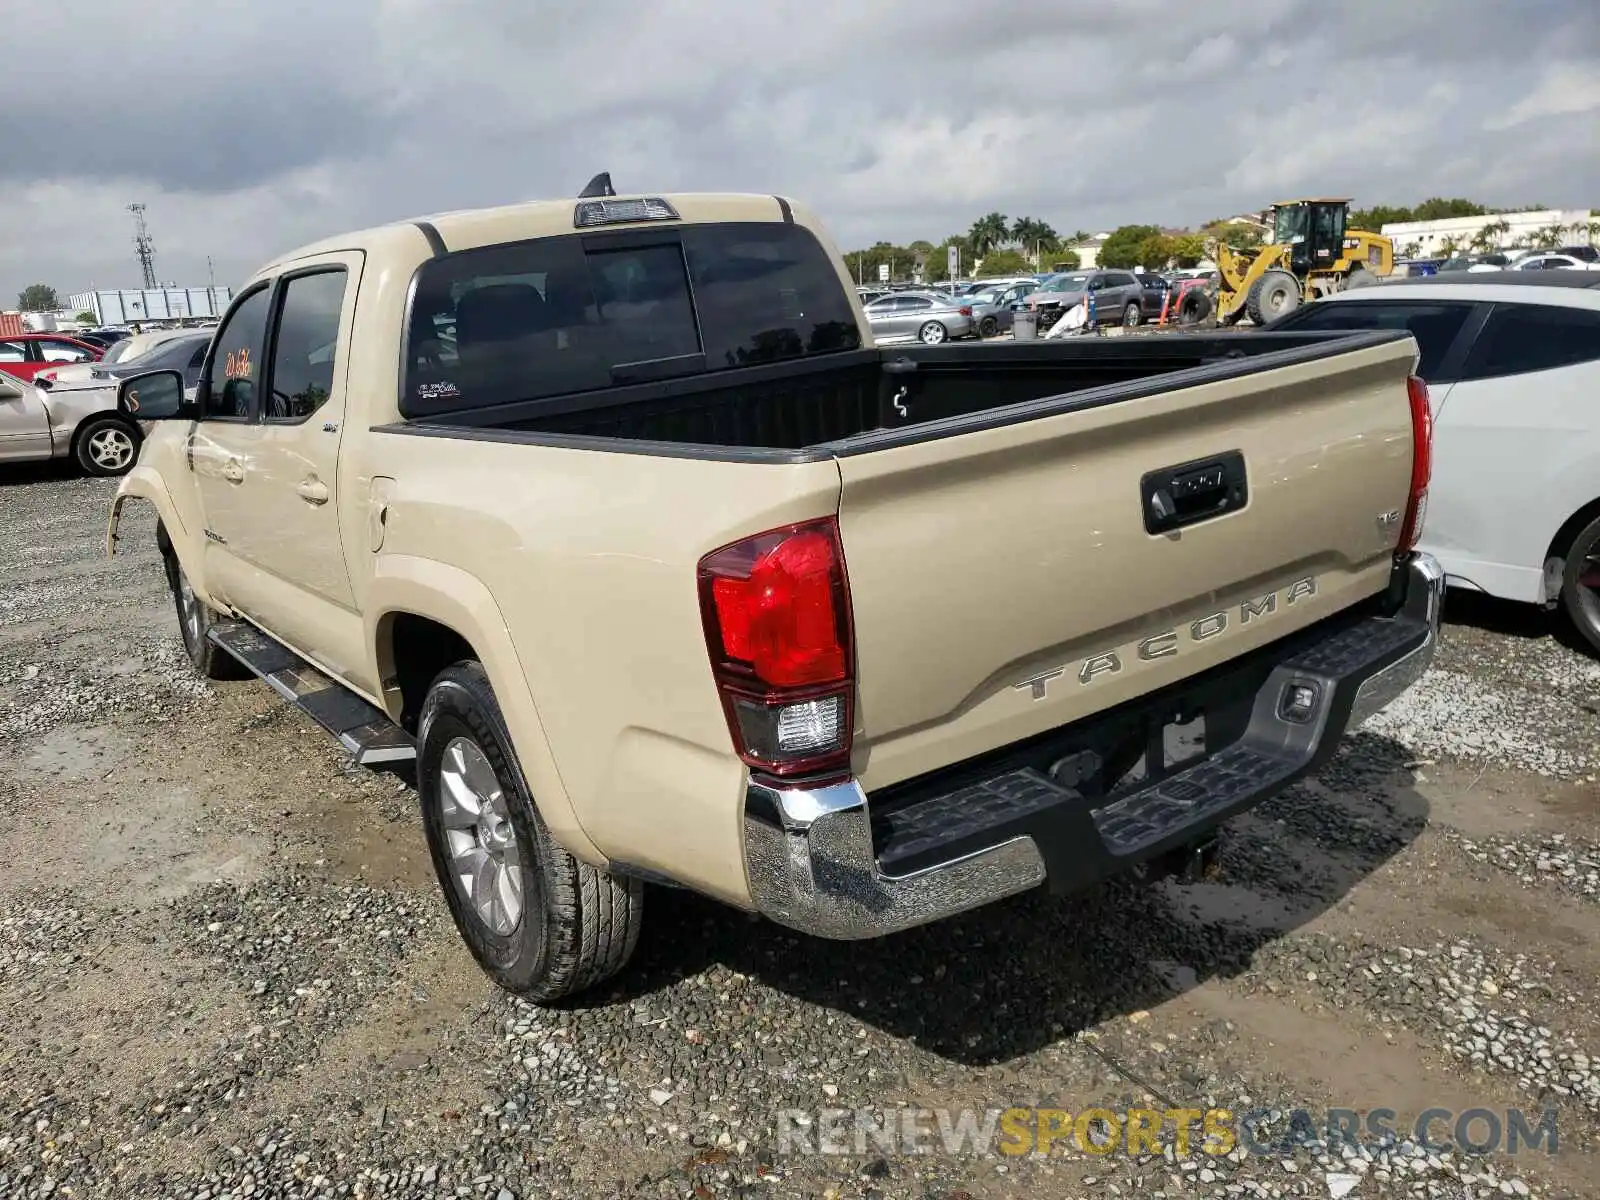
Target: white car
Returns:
[[1512, 362], [1542, 261]]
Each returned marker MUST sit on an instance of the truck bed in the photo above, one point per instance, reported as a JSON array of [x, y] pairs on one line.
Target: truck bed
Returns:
[[873, 398]]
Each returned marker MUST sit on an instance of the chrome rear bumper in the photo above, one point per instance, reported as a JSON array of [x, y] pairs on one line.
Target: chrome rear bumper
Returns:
[[812, 864]]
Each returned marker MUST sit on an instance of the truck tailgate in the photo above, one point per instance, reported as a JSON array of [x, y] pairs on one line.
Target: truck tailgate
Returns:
[[1004, 581]]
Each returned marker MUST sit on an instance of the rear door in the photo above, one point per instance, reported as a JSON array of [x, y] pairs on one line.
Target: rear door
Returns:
[[1004, 582]]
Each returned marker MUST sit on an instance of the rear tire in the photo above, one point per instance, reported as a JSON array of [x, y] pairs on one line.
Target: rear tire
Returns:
[[539, 922], [933, 334], [195, 619], [106, 446], [1275, 294], [1582, 599]]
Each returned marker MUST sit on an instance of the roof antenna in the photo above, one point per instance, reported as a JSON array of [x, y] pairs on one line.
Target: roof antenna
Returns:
[[600, 185]]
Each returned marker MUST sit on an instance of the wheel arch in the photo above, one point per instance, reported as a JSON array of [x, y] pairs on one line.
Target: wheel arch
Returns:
[[421, 611], [1569, 529]]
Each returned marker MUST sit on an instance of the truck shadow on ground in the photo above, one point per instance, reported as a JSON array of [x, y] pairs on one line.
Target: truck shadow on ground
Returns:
[[1008, 979]]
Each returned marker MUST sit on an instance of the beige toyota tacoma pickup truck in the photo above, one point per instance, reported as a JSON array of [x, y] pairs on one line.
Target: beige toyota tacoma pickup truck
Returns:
[[610, 514]]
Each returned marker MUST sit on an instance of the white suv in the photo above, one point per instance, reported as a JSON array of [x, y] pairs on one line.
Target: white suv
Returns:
[[1512, 361]]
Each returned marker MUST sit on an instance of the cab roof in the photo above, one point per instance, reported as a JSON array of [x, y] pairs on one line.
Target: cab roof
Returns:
[[1313, 200], [469, 228]]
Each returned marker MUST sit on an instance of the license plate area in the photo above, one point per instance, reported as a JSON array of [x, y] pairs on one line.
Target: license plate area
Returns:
[[1144, 752]]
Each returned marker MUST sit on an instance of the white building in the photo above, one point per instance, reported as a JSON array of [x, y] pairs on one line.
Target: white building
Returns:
[[1428, 239]]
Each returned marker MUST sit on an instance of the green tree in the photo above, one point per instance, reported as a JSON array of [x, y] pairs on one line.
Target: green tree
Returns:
[[1374, 219], [1006, 261], [1035, 237], [1548, 238], [1065, 259], [1437, 208], [864, 264], [1188, 249], [988, 232], [86, 317], [1448, 246], [1122, 248], [1411, 250], [38, 297], [1156, 251], [937, 270], [1079, 237], [1234, 235], [1488, 238]]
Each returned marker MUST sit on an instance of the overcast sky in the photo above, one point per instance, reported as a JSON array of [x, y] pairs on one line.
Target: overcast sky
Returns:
[[251, 126]]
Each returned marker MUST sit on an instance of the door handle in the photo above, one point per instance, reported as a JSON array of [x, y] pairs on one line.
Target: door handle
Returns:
[[312, 491], [233, 470]]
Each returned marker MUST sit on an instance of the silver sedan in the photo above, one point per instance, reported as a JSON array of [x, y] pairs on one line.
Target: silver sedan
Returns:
[[925, 316]]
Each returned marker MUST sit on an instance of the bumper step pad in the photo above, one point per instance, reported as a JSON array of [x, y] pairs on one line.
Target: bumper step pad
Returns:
[[366, 732]]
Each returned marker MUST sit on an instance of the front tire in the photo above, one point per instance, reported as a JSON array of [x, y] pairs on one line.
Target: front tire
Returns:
[[1131, 316], [1580, 583], [106, 446], [539, 922], [988, 327], [933, 334], [1275, 294], [195, 619]]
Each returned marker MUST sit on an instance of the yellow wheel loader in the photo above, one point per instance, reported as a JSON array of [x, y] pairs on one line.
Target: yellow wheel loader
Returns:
[[1311, 254]]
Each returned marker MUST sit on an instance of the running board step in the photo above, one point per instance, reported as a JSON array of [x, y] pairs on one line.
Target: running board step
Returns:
[[366, 732]]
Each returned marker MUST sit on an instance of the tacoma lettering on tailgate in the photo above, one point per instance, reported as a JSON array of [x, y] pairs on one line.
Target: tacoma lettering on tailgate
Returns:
[[1172, 641]]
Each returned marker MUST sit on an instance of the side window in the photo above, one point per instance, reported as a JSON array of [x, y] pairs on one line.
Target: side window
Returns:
[[1518, 338], [915, 303], [1434, 325], [305, 345], [63, 352], [236, 365], [13, 352]]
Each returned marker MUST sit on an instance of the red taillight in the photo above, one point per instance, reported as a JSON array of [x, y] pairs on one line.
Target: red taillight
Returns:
[[1421, 464], [966, 310], [776, 608]]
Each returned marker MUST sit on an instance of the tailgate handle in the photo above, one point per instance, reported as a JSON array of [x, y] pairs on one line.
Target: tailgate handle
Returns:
[[1193, 491]]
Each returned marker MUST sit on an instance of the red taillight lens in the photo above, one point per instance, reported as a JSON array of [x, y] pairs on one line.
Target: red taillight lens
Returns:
[[966, 310], [1421, 464], [776, 608]]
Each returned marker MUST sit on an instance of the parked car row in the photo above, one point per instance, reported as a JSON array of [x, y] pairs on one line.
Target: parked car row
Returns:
[[60, 401]]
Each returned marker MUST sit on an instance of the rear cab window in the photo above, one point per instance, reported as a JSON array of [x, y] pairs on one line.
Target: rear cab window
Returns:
[[581, 312], [1434, 323]]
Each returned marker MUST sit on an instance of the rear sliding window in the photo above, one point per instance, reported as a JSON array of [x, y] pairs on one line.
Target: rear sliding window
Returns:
[[1434, 324], [550, 317]]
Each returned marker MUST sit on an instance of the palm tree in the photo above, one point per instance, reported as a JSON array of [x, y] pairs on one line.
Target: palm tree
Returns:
[[1548, 238], [1488, 236], [988, 232]]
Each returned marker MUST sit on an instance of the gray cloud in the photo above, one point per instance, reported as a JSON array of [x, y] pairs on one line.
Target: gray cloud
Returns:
[[250, 127]]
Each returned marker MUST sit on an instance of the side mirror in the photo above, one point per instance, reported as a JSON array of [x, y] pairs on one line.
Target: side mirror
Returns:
[[156, 396]]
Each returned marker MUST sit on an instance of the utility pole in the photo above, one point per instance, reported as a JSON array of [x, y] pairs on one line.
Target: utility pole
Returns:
[[211, 272], [143, 246]]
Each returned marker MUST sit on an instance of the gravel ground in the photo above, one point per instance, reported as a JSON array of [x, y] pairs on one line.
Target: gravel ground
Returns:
[[225, 970]]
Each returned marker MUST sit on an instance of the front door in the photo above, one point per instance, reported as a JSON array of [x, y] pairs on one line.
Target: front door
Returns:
[[24, 425], [287, 564], [222, 442]]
